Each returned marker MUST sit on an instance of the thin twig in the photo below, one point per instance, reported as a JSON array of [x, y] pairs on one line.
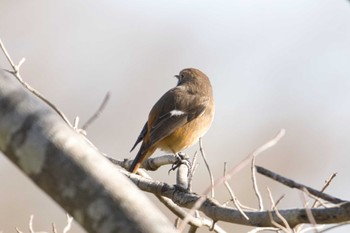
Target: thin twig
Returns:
[[31, 230], [308, 211], [97, 113], [177, 222], [76, 122], [276, 224], [15, 72], [20, 63], [320, 201], [292, 184], [69, 223], [194, 161], [18, 231], [233, 171], [194, 166], [264, 229], [279, 199], [286, 226], [255, 184], [54, 229], [327, 183], [233, 196], [208, 167], [7, 55]]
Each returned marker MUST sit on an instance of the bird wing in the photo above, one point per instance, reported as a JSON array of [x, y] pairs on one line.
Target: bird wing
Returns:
[[171, 112], [175, 109]]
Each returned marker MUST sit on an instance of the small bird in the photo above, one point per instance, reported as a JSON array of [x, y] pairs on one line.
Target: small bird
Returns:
[[179, 118]]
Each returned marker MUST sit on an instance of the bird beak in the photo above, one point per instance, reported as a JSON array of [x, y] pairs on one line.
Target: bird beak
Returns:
[[177, 76]]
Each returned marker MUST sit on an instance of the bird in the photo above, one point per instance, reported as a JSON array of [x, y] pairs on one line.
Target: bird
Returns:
[[179, 118]]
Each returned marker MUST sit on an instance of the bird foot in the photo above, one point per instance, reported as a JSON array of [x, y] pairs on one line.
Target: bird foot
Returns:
[[182, 158]]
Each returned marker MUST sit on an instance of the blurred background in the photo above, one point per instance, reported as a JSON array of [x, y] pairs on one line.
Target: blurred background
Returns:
[[273, 64]]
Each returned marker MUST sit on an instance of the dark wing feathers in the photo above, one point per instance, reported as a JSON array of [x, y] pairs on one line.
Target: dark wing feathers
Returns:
[[168, 124], [164, 122], [140, 137]]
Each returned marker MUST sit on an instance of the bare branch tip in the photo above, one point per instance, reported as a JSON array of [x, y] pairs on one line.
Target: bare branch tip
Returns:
[[69, 223], [20, 63], [98, 111], [31, 230], [18, 231]]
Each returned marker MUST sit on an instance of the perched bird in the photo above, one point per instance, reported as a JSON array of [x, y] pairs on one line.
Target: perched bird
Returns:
[[179, 118]]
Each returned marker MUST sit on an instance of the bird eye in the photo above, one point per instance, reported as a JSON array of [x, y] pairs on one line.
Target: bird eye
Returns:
[[179, 78], [182, 76]]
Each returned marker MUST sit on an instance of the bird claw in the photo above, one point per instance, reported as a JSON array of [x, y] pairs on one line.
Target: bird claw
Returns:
[[182, 158], [174, 166]]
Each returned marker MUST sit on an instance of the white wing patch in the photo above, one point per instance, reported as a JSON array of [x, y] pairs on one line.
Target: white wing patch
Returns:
[[176, 112]]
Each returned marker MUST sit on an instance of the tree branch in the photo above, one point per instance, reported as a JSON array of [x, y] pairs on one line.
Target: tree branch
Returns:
[[292, 184], [218, 212], [64, 165]]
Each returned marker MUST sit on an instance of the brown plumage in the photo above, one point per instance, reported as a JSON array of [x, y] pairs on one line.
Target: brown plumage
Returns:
[[179, 118]]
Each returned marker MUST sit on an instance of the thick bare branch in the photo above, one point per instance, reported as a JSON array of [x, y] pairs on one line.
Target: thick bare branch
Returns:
[[64, 165], [194, 221], [214, 210]]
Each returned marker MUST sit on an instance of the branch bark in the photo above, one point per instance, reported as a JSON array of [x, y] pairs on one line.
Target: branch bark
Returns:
[[292, 184], [68, 168], [217, 212]]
